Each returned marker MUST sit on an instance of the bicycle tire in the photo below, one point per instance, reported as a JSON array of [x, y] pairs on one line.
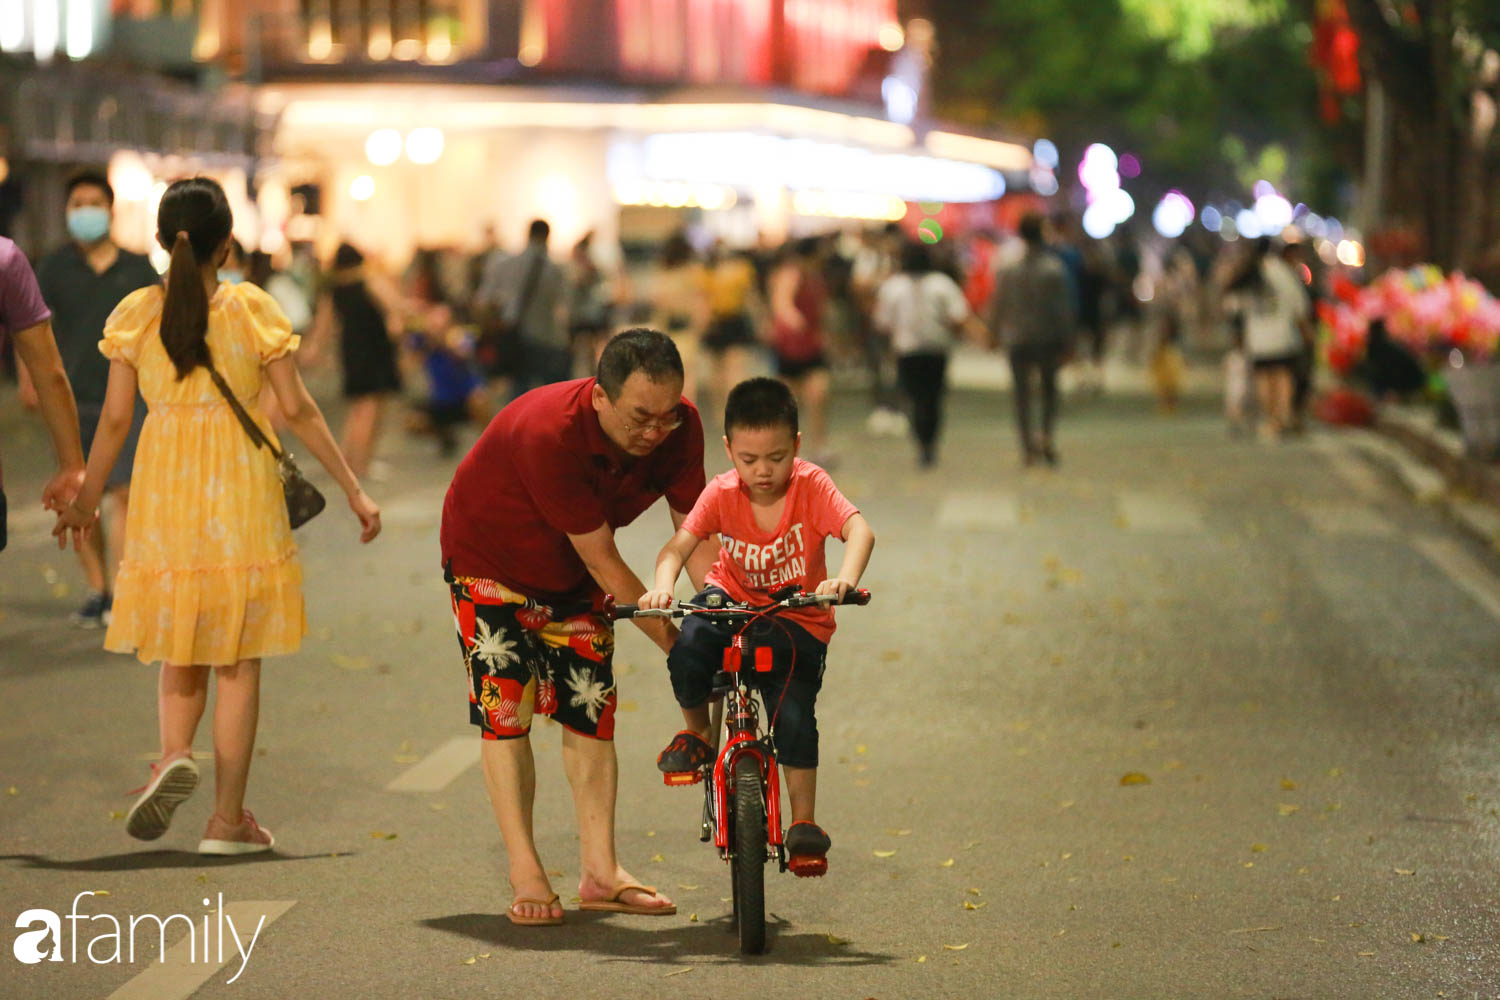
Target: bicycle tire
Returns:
[[749, 858]]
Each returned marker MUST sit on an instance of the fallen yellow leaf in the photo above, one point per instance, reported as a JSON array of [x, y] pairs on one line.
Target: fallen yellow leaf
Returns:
[[835, 939], [975, 906], [484, 954], [884, 854], [657, 858], [470, 960], [1288, 785], [955, 947], [1367, 954], [1135, 778], [975, 892], [860, 748], [920, 959], [1258, 848], [1404, 871], [687, 888], [1286, 809], [693, 918], [946, 864], [101, 892], [116, 814], [678, 972], [12, 790]]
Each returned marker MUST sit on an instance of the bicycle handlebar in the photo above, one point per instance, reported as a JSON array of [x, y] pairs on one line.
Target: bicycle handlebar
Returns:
[[798, 599]]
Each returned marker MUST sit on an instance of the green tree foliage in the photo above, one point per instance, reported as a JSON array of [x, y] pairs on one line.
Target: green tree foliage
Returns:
[[1169, 80]]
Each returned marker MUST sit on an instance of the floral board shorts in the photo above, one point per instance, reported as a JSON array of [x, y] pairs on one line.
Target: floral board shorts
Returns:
[[527, 658]]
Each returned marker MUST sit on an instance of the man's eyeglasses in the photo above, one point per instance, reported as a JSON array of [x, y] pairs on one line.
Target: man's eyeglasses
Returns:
[[664, 425]]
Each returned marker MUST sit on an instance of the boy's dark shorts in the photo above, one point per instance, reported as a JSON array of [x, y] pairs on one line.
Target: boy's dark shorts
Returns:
[[699, 654], [527, 658]]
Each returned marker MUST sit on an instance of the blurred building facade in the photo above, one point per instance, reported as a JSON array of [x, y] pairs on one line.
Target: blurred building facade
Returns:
[[407, 123]]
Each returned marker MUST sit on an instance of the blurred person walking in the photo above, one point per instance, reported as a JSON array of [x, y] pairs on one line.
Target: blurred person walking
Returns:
[[1271, 303], [364, 314], [731, 341], [82, 282], [798, 298], [590, 304], [1032, 312], [679, 305], [210, 581], [876, 260], [24, 317], [521, 300], [921, 309]]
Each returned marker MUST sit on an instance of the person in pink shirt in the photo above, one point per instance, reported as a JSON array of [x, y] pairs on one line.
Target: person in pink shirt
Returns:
[[771, 515]]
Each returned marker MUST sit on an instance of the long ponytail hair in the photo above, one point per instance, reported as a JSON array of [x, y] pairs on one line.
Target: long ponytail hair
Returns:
[[193, 221]]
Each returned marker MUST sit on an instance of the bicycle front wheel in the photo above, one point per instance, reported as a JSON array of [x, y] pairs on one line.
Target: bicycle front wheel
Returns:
[[748, 861]]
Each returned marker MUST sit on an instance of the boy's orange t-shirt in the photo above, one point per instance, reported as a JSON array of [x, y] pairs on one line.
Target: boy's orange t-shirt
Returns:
[[752, 562]]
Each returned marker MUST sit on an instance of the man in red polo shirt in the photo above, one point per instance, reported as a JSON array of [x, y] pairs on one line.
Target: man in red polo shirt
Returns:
[[528, 552]]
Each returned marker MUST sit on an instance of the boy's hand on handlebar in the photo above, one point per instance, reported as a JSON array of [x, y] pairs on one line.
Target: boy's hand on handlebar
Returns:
[[835, 586], [655, 600]]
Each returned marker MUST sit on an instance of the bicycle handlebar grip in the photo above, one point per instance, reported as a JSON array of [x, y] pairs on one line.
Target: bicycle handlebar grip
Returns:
[[620, 611], [856, 597]]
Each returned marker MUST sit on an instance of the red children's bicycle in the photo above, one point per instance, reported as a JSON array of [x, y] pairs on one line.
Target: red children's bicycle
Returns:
[[742, 786]]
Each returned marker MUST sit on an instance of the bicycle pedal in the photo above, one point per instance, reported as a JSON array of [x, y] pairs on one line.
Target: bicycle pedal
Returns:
[[681, 777], [808, 865]]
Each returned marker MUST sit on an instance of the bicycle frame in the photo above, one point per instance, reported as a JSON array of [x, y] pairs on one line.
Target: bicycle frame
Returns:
[[739, 743]]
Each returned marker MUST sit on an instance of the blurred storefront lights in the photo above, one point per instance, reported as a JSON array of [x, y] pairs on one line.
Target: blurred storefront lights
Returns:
[[424, 145], [362, 188], [383, 147]]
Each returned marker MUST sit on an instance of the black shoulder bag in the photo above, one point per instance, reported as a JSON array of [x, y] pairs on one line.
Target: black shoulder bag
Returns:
[[303, 501]]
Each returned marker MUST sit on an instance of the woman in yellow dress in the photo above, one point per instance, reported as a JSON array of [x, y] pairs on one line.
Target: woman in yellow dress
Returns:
[[209, 580]]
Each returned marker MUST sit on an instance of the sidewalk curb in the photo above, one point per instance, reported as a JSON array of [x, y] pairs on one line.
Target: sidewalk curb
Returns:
[[1430, 461]]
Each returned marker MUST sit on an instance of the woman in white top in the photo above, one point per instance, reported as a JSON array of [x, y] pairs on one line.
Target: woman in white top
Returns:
[[920, 308], [1272, 305]]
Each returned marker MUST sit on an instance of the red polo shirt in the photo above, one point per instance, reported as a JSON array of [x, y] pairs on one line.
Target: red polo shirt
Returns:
[[543, 470]]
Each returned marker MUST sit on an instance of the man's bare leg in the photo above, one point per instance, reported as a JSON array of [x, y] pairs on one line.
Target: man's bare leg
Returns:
[[593, 772], [510, 777]]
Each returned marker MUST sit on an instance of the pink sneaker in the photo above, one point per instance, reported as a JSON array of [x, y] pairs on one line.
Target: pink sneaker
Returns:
[[248, 837], [172, 781]]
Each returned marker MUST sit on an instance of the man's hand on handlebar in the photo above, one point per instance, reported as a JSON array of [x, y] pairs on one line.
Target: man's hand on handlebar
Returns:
[[656, 600]]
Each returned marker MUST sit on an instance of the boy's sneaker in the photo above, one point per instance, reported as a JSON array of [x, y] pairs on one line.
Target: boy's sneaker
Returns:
[[172, 781], [683, 760], [807, 849], [94, 613], [246, 837]]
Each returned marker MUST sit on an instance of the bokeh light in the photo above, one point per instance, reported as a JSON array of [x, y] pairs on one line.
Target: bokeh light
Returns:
[[1173, 214], [383, 147], [1044, 152]]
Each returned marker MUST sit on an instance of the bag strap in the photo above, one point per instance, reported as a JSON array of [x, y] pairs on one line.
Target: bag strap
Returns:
[[251, 427], [528, 287]]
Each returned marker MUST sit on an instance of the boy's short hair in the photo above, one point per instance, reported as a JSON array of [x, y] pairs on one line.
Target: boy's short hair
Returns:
[[760, 402], [649, 352]]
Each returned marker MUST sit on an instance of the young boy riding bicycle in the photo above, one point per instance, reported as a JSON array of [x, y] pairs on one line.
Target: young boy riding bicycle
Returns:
[[772, 513]]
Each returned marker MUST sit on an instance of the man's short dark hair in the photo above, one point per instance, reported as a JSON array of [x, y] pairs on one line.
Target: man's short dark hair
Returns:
[[649, 352], [760, 402], [539, 231], [1031, 228], [90, 178]]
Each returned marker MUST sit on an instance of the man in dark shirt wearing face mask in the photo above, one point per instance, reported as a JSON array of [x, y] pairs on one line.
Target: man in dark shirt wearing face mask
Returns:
[[82, 282]]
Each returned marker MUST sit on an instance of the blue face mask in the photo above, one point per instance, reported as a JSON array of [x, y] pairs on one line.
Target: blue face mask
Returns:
[[88, 224], [231, 277]]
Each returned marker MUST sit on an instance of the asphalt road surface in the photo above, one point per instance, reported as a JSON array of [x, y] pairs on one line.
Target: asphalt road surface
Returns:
[[1186, 717]]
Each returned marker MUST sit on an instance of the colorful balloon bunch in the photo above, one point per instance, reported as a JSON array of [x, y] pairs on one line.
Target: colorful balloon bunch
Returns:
[[1428, 312]]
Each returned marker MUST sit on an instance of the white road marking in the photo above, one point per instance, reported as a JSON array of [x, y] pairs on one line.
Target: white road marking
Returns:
[[439, 768], [993, 510], [1349, 519], [1355, 472], [1463, 569], [1158, 513], [196, 958]]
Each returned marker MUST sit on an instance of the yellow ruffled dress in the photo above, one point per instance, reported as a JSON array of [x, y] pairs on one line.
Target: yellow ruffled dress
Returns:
[[209, 573]]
